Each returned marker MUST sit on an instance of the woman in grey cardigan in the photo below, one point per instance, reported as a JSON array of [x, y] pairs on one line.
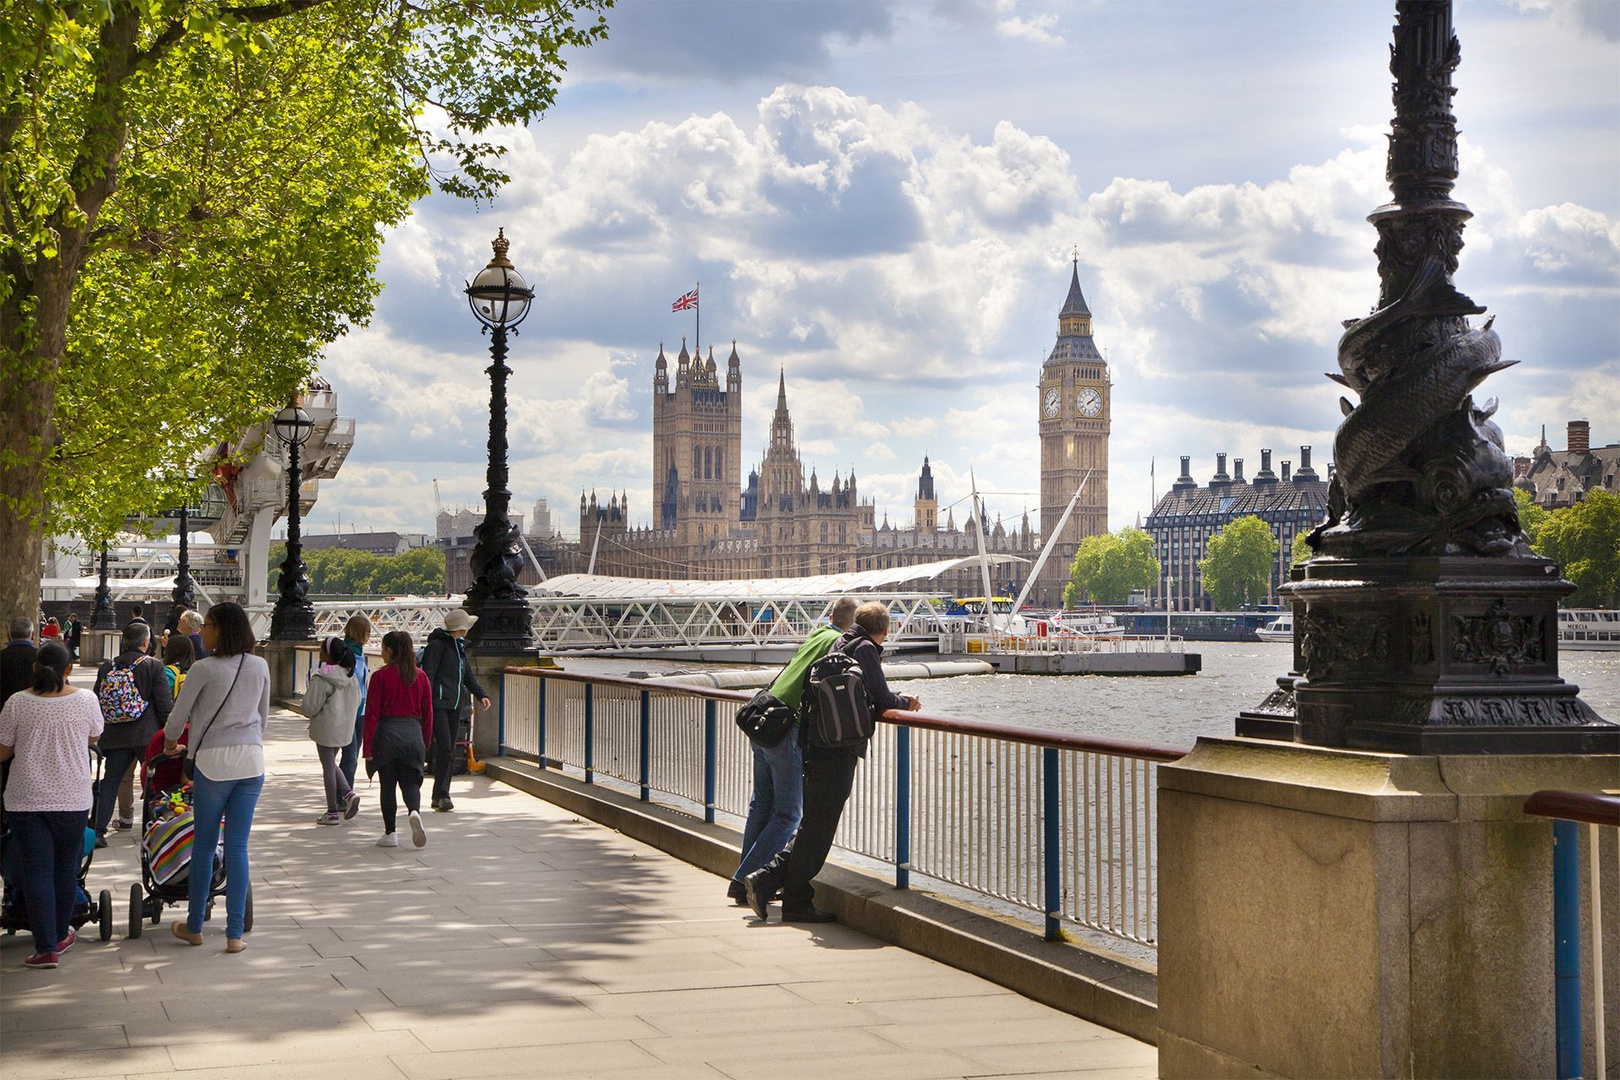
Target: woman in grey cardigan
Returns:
[[330, 703], [226, 696]]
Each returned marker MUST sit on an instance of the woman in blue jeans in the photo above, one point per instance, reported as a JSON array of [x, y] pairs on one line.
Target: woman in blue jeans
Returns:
[[226, 700]]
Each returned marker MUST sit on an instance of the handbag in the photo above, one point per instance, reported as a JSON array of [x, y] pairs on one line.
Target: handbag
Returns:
[[188, 768], [766, 719]]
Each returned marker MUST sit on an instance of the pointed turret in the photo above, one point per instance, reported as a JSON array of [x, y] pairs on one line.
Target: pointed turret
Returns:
[[661, 372], [733, 370], [1074, 326]]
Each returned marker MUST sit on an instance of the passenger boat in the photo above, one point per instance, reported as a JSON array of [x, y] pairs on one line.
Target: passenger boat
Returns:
[[1588, 629], [1279, 629]]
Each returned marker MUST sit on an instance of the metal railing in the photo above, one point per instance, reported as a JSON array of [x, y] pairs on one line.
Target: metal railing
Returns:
[[1568, 809], [1061, 825]]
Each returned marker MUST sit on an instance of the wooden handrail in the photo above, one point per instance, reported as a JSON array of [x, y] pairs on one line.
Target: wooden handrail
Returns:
[[1589, 807], [984, 728]]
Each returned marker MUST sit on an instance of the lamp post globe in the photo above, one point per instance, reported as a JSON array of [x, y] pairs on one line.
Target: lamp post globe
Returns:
[[500, 300], [293, 618]]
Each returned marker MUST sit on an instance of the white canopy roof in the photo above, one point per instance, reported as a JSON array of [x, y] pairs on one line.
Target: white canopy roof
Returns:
[[598, 587]]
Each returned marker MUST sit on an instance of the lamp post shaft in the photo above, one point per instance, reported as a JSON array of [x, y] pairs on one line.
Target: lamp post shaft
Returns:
[[294, 616], [185, 592], [102, 616], [495, 597]]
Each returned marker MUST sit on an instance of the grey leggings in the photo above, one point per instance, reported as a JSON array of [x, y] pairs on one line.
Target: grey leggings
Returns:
[[337, 785]]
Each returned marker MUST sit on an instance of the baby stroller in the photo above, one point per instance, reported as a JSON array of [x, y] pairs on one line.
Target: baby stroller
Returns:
[[166, 848], [13, 906]]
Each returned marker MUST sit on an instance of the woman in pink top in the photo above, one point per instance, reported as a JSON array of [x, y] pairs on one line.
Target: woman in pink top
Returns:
[[49, 728], [398, 731]]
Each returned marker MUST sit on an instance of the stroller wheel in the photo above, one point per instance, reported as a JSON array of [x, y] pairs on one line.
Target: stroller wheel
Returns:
[[105, 901], [247, 914], [135, 910], [157, 910]]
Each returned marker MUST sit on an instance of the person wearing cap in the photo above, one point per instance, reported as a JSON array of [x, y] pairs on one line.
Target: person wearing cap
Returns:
[[455, 687]]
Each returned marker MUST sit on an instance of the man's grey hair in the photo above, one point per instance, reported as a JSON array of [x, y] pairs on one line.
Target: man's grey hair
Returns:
[[22, 627], [842, 614], [136, 635], [190, 621]]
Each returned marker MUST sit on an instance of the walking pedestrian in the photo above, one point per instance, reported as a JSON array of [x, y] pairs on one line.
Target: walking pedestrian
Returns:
[[444, 661], [227, 699], [329, 703], [777, 803], [356, 634], [72, 632], [133, 690], [829, 774], [17, 658], [49, 727], [399, 727], [190, 625]]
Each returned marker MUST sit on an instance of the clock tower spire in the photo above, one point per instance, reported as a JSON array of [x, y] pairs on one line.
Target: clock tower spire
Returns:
[[1074, 416]]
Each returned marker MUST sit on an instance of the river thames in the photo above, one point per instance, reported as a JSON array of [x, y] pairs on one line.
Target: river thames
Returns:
[[1171, 711]]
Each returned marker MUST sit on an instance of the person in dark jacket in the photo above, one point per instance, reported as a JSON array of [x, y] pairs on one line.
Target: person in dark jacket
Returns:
[[829, 774], [72, 633], [444, 662], [17, 658], [123, 742]]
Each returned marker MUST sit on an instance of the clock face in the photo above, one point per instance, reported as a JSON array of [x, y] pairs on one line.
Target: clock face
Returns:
[[1088, 401], [1053, 401]]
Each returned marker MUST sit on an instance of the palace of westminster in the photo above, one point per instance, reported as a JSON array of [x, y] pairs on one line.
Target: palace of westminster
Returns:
[[707, 523]]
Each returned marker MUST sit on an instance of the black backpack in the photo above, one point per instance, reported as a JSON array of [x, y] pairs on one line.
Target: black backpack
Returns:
[[837, 709]]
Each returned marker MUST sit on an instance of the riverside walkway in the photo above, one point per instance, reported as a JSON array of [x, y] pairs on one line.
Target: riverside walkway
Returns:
[[520, 942]]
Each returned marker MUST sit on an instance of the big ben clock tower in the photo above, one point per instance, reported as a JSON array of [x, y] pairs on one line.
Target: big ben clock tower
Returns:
[[1075, 407]]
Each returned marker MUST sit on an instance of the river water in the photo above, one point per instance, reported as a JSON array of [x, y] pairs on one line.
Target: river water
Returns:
[[1171, 711]]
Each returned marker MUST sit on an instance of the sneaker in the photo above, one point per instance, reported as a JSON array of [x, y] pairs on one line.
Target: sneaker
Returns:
[[42, 960], [331, 817], [122, 823], [418, 833], [388, 839], [67, 943], [351, 804], [101, 842], [443, 805]]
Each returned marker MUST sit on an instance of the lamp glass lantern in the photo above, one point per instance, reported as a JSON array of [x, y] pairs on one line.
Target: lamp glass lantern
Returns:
[[293, 425], [498, 296]]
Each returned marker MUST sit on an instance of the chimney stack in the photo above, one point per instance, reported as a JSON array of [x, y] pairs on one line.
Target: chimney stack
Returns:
[[1305, 473], [1237, 470], [1220, 476], [1286, 466], [1580, 437]]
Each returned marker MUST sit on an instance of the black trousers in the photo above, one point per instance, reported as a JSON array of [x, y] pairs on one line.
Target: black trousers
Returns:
[[828, 777], [444, 751]]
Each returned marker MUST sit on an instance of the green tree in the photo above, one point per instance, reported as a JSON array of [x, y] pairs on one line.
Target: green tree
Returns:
[[1301, 551], [1237, 567], [1531, 516], [1584, 540], [350, 572], [1106, 568], [192, 195]]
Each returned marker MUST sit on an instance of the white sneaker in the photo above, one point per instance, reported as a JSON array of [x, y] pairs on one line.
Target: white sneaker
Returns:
[[418, 833], [388, 839]]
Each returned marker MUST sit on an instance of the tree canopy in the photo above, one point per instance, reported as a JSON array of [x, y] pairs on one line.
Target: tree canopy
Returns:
[[193, 194], [350, 572], [1107, 568], [1236, 569], [1584, 540]]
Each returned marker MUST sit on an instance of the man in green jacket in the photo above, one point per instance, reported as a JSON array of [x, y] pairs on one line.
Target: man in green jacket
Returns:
[[778, 799]]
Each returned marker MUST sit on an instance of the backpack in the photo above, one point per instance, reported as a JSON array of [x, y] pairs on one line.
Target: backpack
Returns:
[[120, 697], [837, 709]]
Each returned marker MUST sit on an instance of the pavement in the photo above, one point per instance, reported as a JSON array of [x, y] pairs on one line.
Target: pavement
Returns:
[[520, 942]]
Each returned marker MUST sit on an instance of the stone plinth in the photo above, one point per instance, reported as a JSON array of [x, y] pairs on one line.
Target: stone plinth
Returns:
[[1332, 912], [285, 658], [488, 668], [98, 645]]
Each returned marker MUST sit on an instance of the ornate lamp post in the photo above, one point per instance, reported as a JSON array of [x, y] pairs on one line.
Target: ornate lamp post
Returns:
[[205, 513], [294, 617], [102, 616], [499, 298], [1426, 625]]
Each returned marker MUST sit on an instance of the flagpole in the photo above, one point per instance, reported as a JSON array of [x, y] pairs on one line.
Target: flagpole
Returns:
[[697, 310]]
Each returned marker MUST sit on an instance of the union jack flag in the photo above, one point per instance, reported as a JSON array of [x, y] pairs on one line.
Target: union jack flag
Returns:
[[686, 302]]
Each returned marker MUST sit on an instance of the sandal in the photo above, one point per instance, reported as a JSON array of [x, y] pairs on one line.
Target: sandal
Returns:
[[185, 935]]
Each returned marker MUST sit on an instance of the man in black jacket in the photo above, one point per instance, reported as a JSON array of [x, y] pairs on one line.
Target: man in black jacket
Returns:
[[123, 741], [829, 774], [444, 659], [17, 658]]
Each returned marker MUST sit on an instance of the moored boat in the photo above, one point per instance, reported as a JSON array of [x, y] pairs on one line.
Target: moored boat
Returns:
[[1588, 629], [1279, 629]]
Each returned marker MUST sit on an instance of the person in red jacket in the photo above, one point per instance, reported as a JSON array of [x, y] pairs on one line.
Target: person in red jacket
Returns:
[[398, 731]]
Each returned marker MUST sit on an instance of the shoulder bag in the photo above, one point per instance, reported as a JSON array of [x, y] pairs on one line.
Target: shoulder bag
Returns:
[[188, 768], [766, 719]]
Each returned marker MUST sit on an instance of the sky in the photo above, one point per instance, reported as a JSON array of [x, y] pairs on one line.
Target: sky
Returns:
[[881, 202]]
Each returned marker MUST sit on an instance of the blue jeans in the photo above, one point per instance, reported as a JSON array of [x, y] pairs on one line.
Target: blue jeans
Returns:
[[51, 846], [114, 764], [211, 800], [351, 753], [776, 805]]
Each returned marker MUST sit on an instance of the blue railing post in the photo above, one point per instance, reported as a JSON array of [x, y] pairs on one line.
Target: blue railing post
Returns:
[[1051, 843], [540, 735], [646, 748], [710, 753], [1567, 947], [500, 717], [590, 733], [902, 807]]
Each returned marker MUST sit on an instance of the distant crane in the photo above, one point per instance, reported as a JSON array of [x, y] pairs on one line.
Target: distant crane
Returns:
[[438, 504]]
